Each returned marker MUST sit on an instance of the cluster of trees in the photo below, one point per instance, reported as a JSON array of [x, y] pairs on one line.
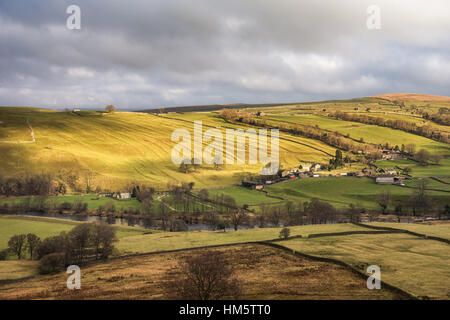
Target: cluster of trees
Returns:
[[85, 242], [419, 203], [46, 184], [21, 244], [442, 117], [408, 126], [334, 139], [45, 205], [30, 184], [312, 212]]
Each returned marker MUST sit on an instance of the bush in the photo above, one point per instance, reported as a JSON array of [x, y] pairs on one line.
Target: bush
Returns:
[[4, 254], [51, 245], [65, 206], [51, 263]]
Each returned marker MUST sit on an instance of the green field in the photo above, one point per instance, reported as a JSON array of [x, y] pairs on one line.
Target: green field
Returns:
[[370, 133], [437, 230], [244, 196], [432, 170], [418, 266], [189, 239], [340, 192], [120, 148]]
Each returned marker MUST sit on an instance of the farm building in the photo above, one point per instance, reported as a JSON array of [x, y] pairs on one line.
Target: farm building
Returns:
[[390, 171], [306, 166], [122, 195], [117, 195], [385, 179], [252, 184], [388, 179], [315, 167], [391, 155]]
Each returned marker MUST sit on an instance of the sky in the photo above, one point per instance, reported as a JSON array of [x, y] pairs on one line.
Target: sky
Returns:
[[139, 54]]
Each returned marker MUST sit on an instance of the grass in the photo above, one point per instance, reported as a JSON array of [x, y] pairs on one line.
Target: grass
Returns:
[[370, 133], [119, 148], [244, 196], [190, 239], [340, 192], [17, 269], [441, 230], [443, 169], [264, 272], [420, 267], [430, 184]]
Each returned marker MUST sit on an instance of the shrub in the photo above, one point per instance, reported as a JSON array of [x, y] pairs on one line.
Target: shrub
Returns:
[[65, 206], [4, 254], [51, 245], [206, 276], [51, 263]]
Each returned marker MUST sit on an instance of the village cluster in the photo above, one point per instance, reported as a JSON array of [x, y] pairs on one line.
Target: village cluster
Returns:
[[311, 170]]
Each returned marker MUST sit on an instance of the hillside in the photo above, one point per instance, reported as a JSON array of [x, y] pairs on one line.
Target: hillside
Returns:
[[112, 150], [413, 97]]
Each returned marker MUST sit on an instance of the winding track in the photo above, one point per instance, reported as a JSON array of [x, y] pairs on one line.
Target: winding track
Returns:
[[33, 140]]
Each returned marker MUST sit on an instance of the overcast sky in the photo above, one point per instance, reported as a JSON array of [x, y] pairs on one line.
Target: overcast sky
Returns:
[[150, 53]]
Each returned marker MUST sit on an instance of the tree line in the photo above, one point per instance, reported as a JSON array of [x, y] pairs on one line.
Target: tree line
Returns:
[[85, 242], [335, 139], [408, 126]]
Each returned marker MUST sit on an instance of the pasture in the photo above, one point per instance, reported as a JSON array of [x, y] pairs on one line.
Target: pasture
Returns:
[[340, 192], [265, 273], [112, 150], [415, 265]]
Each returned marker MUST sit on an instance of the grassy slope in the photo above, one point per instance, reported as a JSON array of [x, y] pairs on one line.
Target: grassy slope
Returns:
[[412, 264], [370, 133], [265, 273], [118, 148]]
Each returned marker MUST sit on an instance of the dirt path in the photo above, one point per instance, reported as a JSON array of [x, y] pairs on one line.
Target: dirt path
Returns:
[[33, 140], [159, 198]]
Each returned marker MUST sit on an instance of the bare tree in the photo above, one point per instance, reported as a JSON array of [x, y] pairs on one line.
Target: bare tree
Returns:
[[103, 237], [237, 218], [110, 108], [17, 244], [422, 156], [33, 242], [206, 276], [383, 200]]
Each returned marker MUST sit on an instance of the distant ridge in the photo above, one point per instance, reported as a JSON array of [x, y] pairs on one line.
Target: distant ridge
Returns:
[[210, 107], [413, 97]]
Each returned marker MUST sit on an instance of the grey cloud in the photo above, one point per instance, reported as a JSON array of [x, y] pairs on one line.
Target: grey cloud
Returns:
[[139, 54]]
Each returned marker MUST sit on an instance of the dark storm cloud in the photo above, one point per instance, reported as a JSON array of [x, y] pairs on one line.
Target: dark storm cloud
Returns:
[[148, 53]]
